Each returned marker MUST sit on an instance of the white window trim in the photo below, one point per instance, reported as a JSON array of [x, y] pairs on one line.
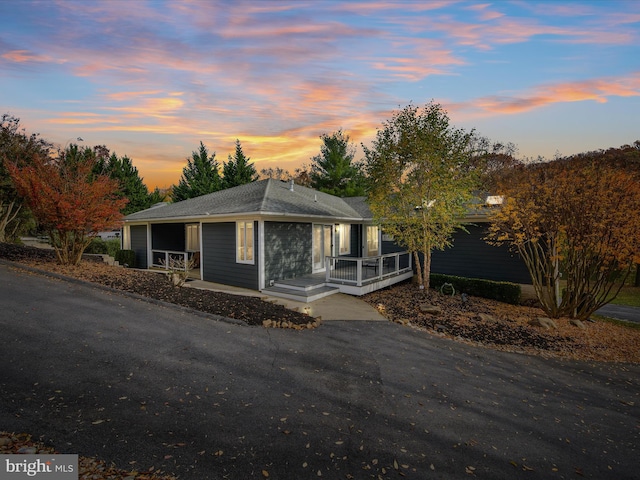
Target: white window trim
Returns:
[[344, 239], [366, 241], [243, 224]]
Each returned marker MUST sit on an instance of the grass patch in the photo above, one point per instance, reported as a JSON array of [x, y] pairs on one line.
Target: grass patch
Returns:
[[629, 296], [615, 321]]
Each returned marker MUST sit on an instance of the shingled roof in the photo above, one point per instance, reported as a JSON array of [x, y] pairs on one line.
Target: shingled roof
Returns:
[[265, 197]]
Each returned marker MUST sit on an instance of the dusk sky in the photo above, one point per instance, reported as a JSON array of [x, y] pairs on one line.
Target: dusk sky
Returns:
[[151, 79]]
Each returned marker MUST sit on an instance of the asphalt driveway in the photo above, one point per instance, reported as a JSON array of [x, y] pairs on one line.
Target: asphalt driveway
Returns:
[[100, 374]]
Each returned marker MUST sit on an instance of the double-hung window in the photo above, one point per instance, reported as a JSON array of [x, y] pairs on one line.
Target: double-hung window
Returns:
[[244, 242]]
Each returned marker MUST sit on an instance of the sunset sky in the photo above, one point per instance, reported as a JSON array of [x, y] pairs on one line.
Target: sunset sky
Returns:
[[151, 79]]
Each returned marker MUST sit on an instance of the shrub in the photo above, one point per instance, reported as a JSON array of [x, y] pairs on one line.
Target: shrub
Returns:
[[113, 246], [506, 292], [126, 258], [97, 246]]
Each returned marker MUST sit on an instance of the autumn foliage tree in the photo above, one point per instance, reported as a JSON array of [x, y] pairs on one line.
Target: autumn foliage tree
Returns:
[[15, 144], [421, 180], [572, 220], [70, 202]]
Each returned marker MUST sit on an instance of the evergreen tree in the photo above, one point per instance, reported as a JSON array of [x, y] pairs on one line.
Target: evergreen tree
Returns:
[[199, 177], [238, 170], [126, 174], [157, 196], [332, 171]]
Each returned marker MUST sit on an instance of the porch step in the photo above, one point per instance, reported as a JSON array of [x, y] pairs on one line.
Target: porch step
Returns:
[[303, 284], [301, 294]]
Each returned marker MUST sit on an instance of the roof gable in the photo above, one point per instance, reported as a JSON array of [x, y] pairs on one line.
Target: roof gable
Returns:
[[266, 197]]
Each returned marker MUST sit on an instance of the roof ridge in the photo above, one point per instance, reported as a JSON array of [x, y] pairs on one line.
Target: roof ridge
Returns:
[[265, 195]]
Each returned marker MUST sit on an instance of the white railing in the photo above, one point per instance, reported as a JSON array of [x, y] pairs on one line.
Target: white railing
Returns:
[[164, 258], [360, 271]]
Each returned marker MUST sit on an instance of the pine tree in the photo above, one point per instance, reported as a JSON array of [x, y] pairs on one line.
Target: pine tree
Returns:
[[199, 177], [332, 171], [238, 170]]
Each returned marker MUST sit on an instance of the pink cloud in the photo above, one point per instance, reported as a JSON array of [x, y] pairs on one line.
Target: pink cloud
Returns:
[[418, 58], [598, 90], [363, 8], [24, 56], [493, 27]]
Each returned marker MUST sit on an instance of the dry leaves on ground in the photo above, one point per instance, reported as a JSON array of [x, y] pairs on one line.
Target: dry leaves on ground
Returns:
[[251, 310], [506, 327], [88, 468]]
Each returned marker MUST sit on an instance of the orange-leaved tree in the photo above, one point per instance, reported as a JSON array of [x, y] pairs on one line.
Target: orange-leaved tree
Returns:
[[70, 202], [573, 221]]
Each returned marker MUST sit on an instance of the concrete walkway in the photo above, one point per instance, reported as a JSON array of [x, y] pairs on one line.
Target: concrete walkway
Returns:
[[333, 307]]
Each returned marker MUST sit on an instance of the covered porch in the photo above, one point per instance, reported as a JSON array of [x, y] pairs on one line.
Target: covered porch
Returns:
[[177, 260]]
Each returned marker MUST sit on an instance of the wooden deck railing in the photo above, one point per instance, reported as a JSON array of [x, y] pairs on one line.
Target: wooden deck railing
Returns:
[[359, 271]]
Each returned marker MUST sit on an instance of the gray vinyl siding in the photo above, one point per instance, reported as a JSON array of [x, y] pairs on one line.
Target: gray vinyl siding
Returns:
[[218, 252], [356, 240], [472, 257], [287, 250], [139, 244], [390, 246]]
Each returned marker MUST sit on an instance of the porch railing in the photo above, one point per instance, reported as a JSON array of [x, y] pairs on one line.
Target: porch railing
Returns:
[[360, 271], [164, 258]]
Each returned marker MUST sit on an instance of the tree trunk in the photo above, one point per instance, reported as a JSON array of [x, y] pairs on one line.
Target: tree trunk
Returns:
[[637, 282], [418, 268], [426, 269], [7, 214]]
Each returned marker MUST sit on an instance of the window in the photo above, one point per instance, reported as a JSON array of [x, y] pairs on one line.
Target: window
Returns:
[[244, 242], [193, 238], [344, 239], [372, 240]]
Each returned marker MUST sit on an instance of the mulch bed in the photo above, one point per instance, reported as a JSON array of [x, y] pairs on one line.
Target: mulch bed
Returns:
[[251, 310], [500, 326]]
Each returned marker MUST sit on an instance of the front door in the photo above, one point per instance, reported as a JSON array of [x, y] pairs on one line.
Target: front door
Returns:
[[322, 236]]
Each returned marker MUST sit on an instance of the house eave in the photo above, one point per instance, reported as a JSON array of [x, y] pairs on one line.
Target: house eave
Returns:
[[255, 214]]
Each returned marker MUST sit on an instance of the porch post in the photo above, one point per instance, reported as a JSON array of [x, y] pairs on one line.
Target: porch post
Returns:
[[149, 246], [327, 268], [201, 266], [261, 249]]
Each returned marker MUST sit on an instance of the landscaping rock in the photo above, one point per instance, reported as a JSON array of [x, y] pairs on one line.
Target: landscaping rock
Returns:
[[543, 322], [28, 450], [430, 309], [483, 317], [577, 323]]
